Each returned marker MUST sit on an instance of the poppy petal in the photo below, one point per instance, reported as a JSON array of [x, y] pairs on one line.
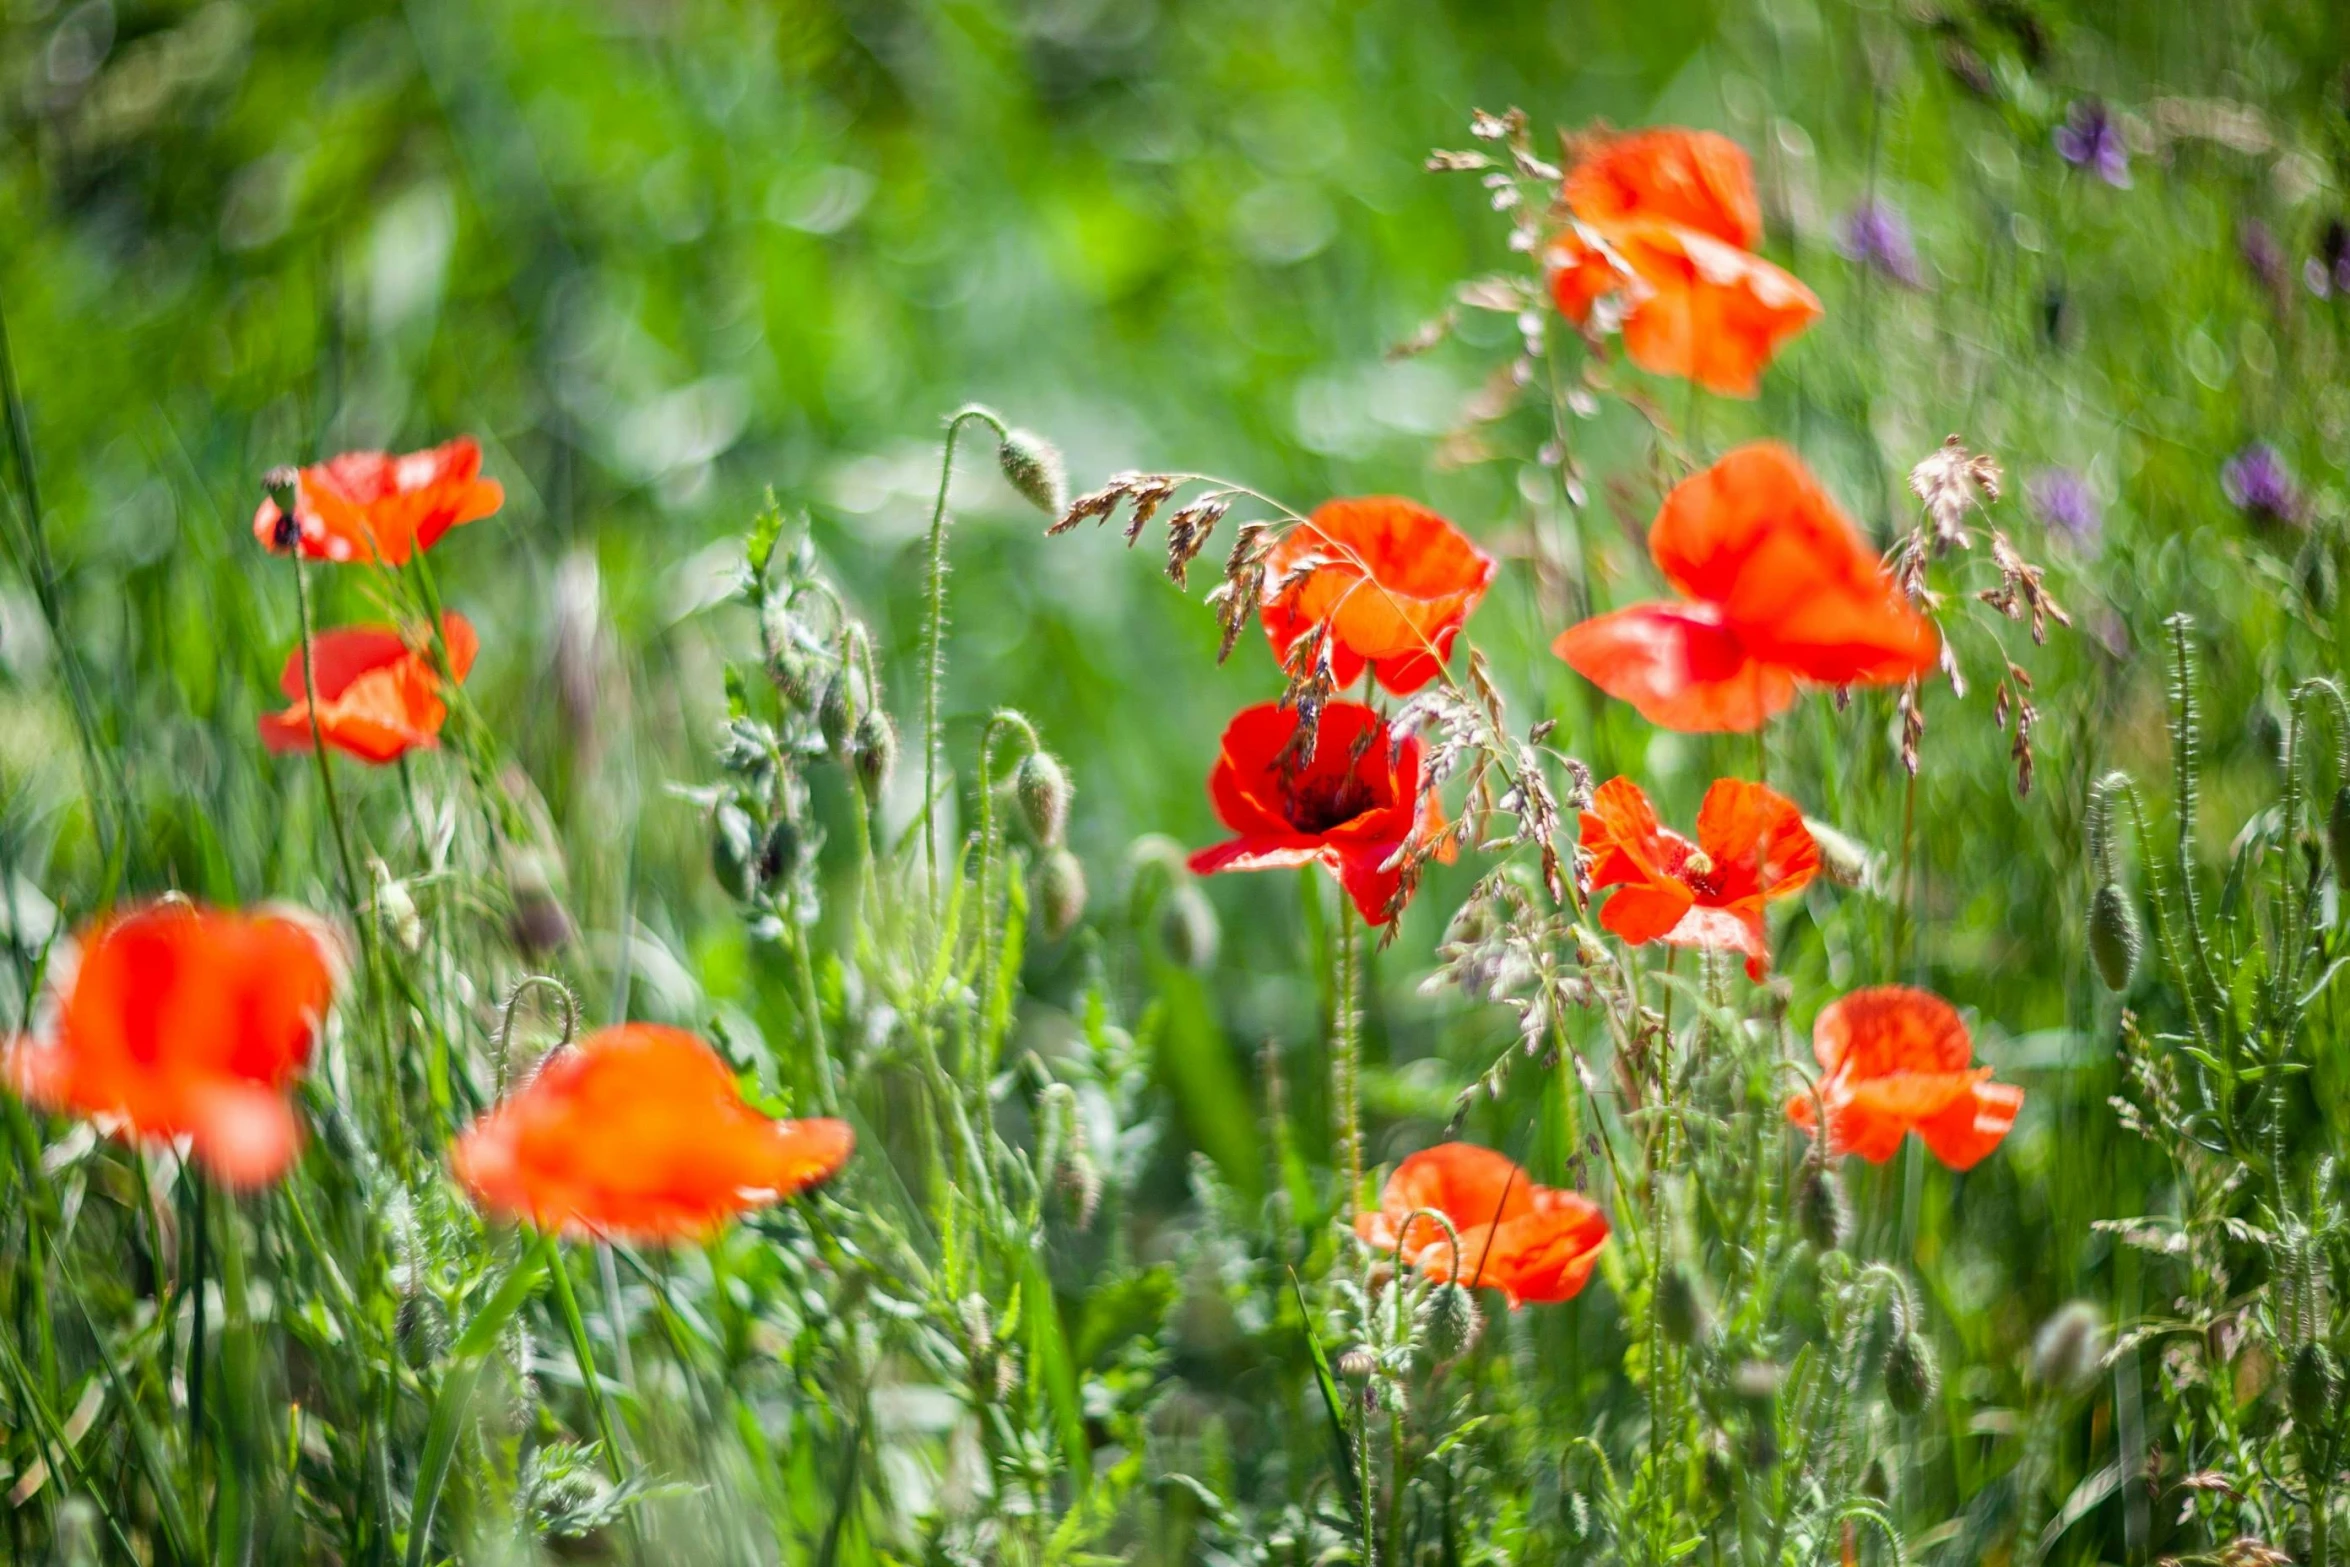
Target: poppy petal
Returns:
[[1888, 1029], [1679, 666], [1756, 839], [1391, 579], [245, 1135], [1971, 1127], [1697, 179]]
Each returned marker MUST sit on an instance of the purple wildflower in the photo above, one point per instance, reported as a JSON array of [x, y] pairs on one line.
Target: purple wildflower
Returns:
[[2328, 272], [2091, 138], [2263, 255], [2062, 499], [2259, 485], [1875, 234]]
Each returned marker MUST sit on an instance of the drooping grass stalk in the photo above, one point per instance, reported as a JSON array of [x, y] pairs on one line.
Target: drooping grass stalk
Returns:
[[934, 637]]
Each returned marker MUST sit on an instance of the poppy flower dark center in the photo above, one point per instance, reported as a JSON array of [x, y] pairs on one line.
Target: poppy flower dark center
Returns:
[[1316, 805]]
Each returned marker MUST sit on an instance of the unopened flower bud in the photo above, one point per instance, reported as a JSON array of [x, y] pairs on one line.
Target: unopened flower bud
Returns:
[[2114, 937], [2312, 1385], [1450, 1319], [1822, 1212], [780, 855], [397, 910], [836, 710], [1060, 891], [1188, 927], [1680, 1308], [734, 850], [538, 923], [1911, 1375], [2338, 835], [2069, 1349], [1356, 1364], [1032, 465], [1844, 860], [873, 751], [1042, 788]]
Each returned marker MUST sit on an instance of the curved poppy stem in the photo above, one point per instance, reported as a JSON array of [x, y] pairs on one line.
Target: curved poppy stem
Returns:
[[934, 634], [513, 1004]]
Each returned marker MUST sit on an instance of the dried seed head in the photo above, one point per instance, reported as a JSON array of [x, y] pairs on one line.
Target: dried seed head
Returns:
[[2114, 936], [873, 751], [1822, 1212], [1911, 1375], [1357, 1364], [1032, 465], [1188, 927], [1450, 1320], [1042, 788], [2069, 1350], [1060, 891]]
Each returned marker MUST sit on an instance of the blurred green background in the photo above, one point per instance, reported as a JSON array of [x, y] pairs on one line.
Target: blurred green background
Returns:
[[661, 257]]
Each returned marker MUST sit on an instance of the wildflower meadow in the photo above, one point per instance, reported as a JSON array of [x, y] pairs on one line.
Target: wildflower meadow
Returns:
[[1081, 781]]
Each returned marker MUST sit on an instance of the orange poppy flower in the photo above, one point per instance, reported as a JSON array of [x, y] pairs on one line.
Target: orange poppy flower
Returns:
[[179, 1021], [1781, 590], [1391, 579], [1533, 1243], [378, 697], [1898, 1060], [1666, 223], [639, 1131], [373, 506], [1751, 847], [1351, 808]]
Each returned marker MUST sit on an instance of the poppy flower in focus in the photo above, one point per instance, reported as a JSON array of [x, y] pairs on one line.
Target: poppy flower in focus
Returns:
[[1751, 847], [1898, 1060], [639, 1131], [1351, 807], [374, 506], [378, 697], [1666, 224], [1533, 1243], [1391, 579], [179, 1021], [1781, 590]]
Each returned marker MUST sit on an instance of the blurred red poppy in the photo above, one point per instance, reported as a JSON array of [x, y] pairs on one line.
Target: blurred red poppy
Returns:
[[374, 506], [1897, 1060], [1781, 589], [1751, 847], [1533, 1243], [1666, 222], [639, 1131], [180, 1021], [378, 697], [1351, 807], [1391, 579]]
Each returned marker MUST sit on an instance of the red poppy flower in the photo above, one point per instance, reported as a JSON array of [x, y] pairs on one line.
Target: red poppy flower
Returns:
[[1781, 589], [1899, 1060], [639, 1131], [1751, 847], [1533, 1243], [1666, 223], [378, 697], [186, 1022], [1391, 579], [375, 506], [1351, 807]]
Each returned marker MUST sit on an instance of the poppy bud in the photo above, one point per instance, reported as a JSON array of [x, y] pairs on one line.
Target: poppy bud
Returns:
[[791, 669], [1450, 1319], [397, 910], [1188, 927], [2069, 1349], [1911, 1376], [1844, 860], [1042, 789], [836, 710], [1032, 466], [734, 850], [538, 923], [1822, 1212], [874, 751], [2114, 938], [1680, 1308], [1060, 891], [780, 855], [2338, 835], [2312, 1384]]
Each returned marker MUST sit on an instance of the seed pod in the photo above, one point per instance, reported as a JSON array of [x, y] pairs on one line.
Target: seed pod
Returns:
[[2114, 937], [1450, 1319], [1680, 1308], [2338, 835], [1822, 1212], [1060, 891], [1911, 1376], [2069, 1349], [1032, 465], [1042, 788], [1357, 1363], [2312, 1384], [873, 751], [1188, 927]]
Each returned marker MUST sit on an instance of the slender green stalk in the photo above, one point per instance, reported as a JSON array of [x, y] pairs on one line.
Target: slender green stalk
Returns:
[[934, 637], [1346, 1047], [583, 1350]]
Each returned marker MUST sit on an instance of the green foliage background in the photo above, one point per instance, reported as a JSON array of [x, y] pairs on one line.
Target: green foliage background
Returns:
[[661, 257]]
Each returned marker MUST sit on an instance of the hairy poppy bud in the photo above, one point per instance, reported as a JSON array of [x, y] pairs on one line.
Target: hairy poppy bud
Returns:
[[2338, 835], [1911, 1376], [836, 710], [873, 751], [1680, 1307], [1042, 788], [1822, 1212], [2312, 1384], [2114, 938], [2069, 1349], [1451, 1320], [538, 924], [1060, 891], [793, 671], [1844, 860], [734, 850], [1188, 926], [780, 855], [1032, 466]]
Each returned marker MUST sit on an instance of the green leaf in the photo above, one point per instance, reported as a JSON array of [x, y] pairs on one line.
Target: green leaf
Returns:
[[1341, 1445], [458, 1383], [1048, 1359]]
